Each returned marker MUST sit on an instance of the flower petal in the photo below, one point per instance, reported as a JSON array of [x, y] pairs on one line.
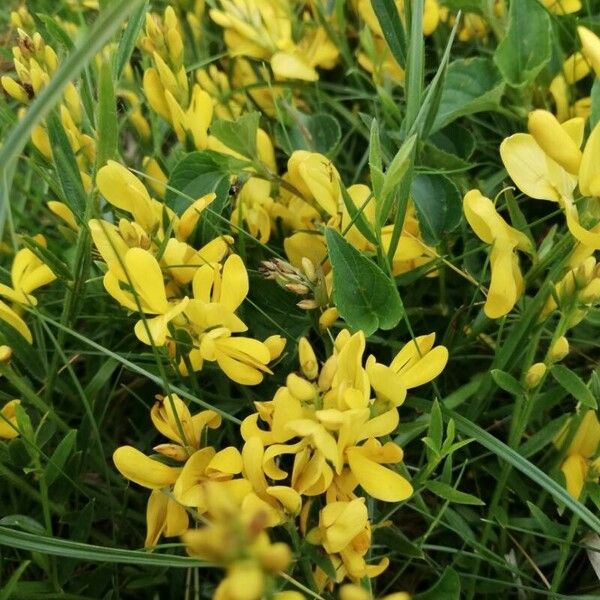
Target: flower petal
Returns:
[[139, 468], [377, 481]]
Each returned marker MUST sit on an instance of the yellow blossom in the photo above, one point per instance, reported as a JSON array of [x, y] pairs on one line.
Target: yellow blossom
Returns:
[[506, 283], [579, 457], [8, 420]]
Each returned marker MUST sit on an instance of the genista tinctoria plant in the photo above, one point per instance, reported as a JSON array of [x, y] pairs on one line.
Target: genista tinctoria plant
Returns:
[[280, 316]]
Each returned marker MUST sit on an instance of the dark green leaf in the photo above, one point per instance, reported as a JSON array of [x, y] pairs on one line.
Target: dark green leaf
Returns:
[[472, 85], [7, 591], [239, 135], [573, 384], [364, 295], [507, 382], [595, 97], [393, 176], [505, 453], [527, 47], [357, 215], [387, 14], [197, 174], [129, 39], [60, 456], [447, 587], [67, 170], [317, 133], [90, 553], [375, 159], [447, 492], [397, 542], [108, 126], [438, 205]]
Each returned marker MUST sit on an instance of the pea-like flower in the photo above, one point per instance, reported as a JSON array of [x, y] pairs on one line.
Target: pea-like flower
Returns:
[[506, 284]]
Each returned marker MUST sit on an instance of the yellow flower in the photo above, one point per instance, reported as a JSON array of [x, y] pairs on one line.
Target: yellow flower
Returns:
[[237, 541], [62, 211], [227, 102], [562, 7], [546, 166], [345, 534], [506, 285], [351, 591], [315, 177], [28, 273], [9, 316], [212, 320], [142, 274], [8, 420], [123, 190], [581, 451], [165, 515], [336, 424]]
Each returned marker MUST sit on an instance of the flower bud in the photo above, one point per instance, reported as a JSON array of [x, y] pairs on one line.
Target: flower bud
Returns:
[[590, 47], [276, 558], [174, 451], [14, 89], [308, 360], [300, 388], [5, 354], [559, 349], [534, 375], [307, 304], [276, 345], [309, 269], [591, 292], [328, 317]]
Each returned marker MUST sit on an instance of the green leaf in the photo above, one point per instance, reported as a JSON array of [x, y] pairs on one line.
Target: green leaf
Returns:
[[472, 85], [129, 39], [23, 522], [505, 453], [239, 135], [429, 108], [447, 492], [573, 384], [7, 591], [91, 553], [397, 542], [60, 456], [595, 97], [108, 126], [375, 159], [438, 204], [464, 5], [317, 133], [66, 168], [527, 47], [364, 295], [387, 14], [540, 439], [447, 587], [507, 382], [415, 63], [392, 178], [436, 425], [357, 215], [195, 175]]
